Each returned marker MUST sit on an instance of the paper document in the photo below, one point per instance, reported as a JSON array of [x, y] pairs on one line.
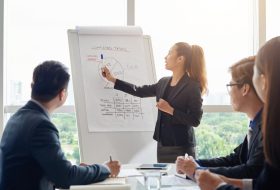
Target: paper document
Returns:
[[184, 176], [118, 183], [101, 187], [112, 181], [172, 180], [129, 173]]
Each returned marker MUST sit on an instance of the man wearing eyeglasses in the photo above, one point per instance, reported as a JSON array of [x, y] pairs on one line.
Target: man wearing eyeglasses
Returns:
[[247, 159]]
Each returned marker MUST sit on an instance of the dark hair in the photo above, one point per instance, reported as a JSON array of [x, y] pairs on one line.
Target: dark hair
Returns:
[[242, 72], [268, 64], [49, 78], [194, 63]]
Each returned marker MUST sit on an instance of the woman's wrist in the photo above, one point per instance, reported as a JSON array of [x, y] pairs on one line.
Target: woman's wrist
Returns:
[[113, 80]]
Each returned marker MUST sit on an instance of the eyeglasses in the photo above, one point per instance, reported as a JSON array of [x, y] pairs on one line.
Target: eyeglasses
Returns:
[[230, 85]]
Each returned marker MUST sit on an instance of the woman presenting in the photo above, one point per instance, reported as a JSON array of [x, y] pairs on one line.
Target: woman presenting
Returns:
[[178, 99]]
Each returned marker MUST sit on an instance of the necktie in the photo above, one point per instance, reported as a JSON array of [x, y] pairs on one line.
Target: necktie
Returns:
[[249, 135]]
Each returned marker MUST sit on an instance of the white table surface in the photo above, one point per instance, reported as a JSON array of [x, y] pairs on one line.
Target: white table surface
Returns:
[[136, 183]]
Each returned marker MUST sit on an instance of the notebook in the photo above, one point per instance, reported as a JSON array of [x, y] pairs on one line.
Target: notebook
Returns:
[[118, 183]]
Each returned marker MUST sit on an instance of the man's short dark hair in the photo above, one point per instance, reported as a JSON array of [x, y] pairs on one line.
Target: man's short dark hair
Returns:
[[49, 78]]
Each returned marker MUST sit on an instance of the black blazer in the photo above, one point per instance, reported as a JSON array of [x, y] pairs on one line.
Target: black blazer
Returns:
[[228, 187], [32, 158], [187, 104], [268, 179], [243, 163]]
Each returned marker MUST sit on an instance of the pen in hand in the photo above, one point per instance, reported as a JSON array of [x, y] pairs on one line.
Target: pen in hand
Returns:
[[103, 65], [103, 72], [112, 167]]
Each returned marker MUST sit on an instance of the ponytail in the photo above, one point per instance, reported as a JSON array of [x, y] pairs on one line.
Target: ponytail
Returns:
[[194, 63], [197, 68]]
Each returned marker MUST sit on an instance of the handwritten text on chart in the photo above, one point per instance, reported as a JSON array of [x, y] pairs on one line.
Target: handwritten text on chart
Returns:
[[109, 48], [126, 107]]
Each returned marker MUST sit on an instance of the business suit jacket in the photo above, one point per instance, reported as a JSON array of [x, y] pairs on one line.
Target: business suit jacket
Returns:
[[244, 162], [268, 179], [186, 101], [228, 187], [32, 157]]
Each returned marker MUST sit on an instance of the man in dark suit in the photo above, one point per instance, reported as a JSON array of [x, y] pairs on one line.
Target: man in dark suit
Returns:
[[247, 159], [31, 154]]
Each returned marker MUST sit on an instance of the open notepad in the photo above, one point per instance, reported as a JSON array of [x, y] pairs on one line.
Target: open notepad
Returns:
[[129, 173], [112, 181], [118, 183]]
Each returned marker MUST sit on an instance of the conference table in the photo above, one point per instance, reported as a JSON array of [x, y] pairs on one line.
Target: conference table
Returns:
[[136, 182]]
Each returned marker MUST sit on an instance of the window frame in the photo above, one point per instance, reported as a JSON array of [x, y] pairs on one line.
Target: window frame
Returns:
[[1, 66]]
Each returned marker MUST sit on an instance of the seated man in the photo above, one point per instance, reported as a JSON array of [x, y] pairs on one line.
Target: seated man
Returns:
[[247, 160], [31, 154]]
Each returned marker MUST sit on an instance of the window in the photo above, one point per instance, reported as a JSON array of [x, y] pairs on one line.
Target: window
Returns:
[[36, 31], [219, 133], [66, 124], [272, 19], [224, 29]]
